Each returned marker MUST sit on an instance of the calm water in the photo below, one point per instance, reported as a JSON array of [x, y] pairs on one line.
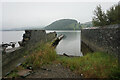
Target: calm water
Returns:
[[70, 44]]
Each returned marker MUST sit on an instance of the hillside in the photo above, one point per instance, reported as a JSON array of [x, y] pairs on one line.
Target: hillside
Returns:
[[87, 24], [63, 24], [22, 28]]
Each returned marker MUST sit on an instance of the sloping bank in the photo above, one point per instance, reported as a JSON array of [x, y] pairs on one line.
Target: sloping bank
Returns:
[[30, 42]]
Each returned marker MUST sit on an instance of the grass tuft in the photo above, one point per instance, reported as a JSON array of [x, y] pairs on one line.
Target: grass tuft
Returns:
[[43, 54], [93, 65]]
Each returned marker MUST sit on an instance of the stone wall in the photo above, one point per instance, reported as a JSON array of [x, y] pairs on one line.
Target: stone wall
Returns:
[[50, 36], [38, 35], [34, 36], [11, 60], [30, 39], [105, 39]]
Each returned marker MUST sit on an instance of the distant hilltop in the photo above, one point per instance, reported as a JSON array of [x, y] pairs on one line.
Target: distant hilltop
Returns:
[[64, 24]]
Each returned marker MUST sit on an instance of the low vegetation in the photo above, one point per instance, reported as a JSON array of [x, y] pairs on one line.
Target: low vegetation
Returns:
[[41, 55], [44, 54], [93, 65]]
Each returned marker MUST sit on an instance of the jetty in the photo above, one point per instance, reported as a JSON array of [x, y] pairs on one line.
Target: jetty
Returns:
[[57, 40]]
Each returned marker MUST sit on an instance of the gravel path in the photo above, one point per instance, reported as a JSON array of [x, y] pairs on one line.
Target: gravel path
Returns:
[[53, 71]]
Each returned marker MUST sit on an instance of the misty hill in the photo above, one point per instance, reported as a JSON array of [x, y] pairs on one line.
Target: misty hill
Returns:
[[87, 24], [22, 28], [63, 24]]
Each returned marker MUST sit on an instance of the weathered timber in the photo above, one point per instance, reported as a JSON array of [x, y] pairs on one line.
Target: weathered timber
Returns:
[[57, 40]]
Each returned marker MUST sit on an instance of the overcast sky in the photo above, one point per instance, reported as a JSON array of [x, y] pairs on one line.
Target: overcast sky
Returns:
[[23, 14]]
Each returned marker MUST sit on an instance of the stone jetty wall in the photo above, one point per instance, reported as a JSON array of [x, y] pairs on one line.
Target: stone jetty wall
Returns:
[[30, 38], [34, 36], [104, 39]]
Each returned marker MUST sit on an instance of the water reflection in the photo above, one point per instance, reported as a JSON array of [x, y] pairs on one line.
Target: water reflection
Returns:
[[70, 44]]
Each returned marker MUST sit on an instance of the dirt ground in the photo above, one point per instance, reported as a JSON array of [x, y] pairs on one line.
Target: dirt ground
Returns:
[[53, 71]]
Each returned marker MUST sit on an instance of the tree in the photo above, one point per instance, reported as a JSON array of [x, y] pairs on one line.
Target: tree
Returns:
[[112, 16], [100, 18]]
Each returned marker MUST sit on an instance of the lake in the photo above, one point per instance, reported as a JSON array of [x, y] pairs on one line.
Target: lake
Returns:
[[70, 44], [12, 36]]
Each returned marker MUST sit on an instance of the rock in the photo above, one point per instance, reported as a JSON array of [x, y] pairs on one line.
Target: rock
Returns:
[[24, 72], [26, 35], [20, 43], [18, 64], [30, 68], [65, 55], [45, 69]]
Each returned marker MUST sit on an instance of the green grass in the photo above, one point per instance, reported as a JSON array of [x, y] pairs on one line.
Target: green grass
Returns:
[[44, 54], [93, 65], [40, 55], [13, 74]]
